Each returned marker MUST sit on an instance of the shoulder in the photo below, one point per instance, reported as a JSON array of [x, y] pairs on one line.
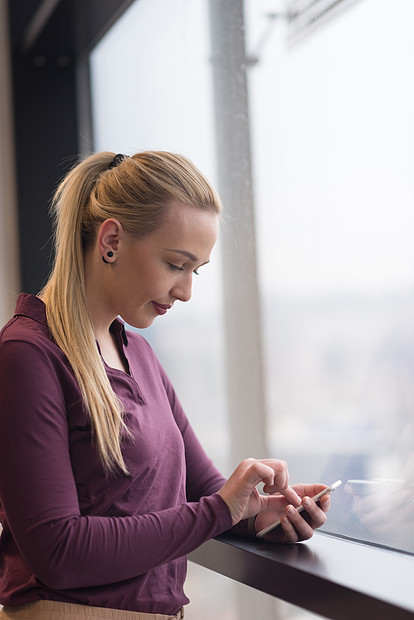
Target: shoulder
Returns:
[[34, 372], [26, 344], [28, 325], [25, 333]]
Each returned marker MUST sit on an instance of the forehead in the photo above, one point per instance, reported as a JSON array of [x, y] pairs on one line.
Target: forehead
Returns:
[[183, 224]]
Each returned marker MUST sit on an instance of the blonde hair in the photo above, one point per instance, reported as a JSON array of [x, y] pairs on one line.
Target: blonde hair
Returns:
[[137, 192]]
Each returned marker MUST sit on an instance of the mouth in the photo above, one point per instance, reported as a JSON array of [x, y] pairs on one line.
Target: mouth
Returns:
[[161, 308]]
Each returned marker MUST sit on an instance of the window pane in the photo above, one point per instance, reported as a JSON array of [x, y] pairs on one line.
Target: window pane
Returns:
[[332, 135], [333, 131]]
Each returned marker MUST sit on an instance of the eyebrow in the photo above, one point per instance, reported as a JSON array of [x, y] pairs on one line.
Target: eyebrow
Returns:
[[187, 254], [184, 253]]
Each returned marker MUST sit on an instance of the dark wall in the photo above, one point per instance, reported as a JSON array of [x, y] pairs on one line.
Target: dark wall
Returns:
[[46, 140], [48, 49]]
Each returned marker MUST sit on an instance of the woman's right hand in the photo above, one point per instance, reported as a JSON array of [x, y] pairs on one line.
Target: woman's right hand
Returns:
[[240, 492]]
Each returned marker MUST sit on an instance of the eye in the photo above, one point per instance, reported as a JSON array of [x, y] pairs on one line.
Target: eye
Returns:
[[178, 268], [175, 267]]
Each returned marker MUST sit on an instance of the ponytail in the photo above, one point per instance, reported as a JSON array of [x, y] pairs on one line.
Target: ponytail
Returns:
[[136, 192]]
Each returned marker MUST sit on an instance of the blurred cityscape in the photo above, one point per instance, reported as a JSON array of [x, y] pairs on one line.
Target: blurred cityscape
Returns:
[[340, 395]]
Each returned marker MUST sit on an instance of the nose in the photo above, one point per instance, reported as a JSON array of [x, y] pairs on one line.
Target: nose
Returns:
[[182, 289]]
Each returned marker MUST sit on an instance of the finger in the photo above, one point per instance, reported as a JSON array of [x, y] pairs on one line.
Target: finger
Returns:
[[316, 514], [309, 490], [291, 496], [325, 503], [260, 472], [281, 482], [280, 475], [303, 529], [254, 471], [289, 531]]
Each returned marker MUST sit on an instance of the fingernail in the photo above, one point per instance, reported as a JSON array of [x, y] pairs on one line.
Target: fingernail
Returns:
[[306, 502], [290, 510]]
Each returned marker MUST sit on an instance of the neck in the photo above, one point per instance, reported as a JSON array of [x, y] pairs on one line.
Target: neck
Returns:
[[95, 287]]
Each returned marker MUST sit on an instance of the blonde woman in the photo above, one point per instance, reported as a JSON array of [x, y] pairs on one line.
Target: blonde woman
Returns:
[[104, 487]]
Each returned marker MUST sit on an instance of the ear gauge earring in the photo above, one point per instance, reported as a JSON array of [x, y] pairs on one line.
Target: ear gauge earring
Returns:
[[109, 254]]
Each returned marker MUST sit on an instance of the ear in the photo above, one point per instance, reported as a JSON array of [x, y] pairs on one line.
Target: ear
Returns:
[[108, 237]]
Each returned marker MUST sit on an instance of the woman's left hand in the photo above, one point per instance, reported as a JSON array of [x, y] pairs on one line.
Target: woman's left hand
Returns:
[[294, 526]]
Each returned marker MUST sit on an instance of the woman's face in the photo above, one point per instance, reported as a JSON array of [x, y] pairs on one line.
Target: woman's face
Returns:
[[151, 273]]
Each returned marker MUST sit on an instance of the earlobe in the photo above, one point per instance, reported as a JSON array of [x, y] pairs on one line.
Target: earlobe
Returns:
[[109, 255]]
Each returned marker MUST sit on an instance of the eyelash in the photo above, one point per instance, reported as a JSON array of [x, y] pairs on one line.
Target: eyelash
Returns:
[[177, 268]]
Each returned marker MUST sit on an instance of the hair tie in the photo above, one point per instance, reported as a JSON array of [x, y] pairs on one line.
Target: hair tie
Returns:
[[117, 160]]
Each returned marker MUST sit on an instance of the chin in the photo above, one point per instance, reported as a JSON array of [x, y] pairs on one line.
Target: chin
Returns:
[[139, 323], [142, 324]]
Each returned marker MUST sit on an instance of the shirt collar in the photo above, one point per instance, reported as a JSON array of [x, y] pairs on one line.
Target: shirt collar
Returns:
[[34, 308], [119, 331]]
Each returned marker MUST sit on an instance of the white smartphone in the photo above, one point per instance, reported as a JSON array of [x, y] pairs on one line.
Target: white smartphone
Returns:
[[329, 489]]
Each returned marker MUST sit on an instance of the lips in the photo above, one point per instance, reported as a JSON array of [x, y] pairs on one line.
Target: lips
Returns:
[[161, 308]]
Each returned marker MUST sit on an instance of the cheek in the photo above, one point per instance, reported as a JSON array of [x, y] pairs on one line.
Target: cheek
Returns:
[[143, 283], [157, 279], [145, 289]]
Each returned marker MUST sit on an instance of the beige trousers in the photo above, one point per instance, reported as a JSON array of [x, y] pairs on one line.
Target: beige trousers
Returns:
[[51, 610]]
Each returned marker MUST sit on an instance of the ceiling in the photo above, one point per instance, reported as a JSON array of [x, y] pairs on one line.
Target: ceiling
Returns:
[[60, 27]]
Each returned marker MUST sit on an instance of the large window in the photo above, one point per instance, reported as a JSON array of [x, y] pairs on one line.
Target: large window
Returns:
[[333, 131], [330, 119]]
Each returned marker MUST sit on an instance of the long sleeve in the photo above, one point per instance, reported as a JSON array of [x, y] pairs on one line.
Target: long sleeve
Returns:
[[203, 478], [64, 548], [72, 532]]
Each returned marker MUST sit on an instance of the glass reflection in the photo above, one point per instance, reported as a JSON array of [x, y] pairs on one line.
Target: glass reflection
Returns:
[[383, 511]]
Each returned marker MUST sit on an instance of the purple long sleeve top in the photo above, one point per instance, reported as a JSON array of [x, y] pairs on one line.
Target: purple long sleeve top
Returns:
[[71, 532]]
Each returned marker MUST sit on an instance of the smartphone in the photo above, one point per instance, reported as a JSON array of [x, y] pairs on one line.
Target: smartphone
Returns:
[[272, 526]]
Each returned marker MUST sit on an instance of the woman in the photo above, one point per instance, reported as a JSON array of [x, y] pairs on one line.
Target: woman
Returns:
[[104, 487]]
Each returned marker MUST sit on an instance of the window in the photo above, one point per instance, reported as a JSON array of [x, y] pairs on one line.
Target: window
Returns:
[[329, 114], [333, 133]]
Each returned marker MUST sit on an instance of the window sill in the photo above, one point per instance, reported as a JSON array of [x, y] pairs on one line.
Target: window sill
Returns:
[[329, 576]]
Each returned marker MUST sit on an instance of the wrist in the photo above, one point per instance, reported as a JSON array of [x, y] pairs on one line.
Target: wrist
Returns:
[[251, 521]]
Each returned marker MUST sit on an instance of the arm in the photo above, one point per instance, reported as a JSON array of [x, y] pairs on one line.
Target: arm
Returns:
[[203, 478], [239, 492]]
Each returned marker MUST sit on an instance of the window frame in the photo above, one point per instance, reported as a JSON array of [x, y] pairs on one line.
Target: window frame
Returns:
[[327, 575]]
